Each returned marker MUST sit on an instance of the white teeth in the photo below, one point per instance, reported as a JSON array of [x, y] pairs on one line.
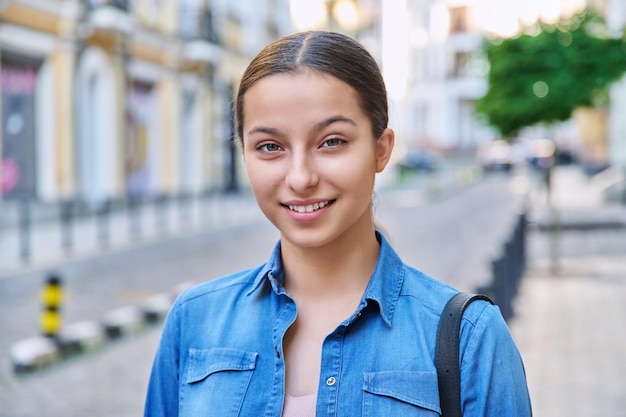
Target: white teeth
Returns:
[[310, 208]]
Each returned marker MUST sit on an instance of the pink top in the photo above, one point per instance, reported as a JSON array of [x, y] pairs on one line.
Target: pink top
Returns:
[[299, 406]]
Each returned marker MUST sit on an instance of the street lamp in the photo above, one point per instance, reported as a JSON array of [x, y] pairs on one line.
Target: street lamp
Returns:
[[334, 15]]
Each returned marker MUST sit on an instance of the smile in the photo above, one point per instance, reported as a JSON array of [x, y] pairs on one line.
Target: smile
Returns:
[[310, 208]]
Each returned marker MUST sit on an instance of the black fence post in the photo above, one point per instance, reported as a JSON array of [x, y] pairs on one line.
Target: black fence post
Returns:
[[134, 217], [185, 209], [521, 251], [103, 214], [511, 276], [161, 213], [67, 218], [25, 230], [508, 269], [498, 270]]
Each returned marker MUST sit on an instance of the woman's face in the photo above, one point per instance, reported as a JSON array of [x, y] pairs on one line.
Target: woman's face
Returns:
[[310, 156]]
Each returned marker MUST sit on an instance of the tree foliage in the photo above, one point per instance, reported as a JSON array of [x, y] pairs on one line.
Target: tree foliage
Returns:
[[543, 76]]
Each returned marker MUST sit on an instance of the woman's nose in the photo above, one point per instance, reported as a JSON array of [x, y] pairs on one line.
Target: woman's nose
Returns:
[[302, 174]]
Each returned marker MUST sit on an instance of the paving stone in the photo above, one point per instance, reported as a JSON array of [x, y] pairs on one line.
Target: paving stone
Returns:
[[571, 333]]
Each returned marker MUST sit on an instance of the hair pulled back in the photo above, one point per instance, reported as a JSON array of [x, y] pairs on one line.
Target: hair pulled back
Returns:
[[326, 52]]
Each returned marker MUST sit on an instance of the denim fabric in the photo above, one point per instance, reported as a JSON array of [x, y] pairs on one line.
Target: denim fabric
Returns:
[[221, 351]]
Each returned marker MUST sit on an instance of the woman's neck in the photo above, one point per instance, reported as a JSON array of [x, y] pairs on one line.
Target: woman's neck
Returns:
[[340, 268]]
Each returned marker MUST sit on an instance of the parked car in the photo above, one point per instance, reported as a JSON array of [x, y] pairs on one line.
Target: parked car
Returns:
[[540, 153], [496, 156], [419, 160]]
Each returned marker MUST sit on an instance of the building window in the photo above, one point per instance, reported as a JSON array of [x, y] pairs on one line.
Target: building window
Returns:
[[459, 19], [461, 64], [119, 4], [196, 21], [469, 64]]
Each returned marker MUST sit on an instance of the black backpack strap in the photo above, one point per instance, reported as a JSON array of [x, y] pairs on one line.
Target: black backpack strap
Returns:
[[447, 353]]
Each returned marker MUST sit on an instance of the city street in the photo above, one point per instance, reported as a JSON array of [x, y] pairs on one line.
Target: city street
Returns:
[[570, 327], [451, 235], [571, 307], [125, 179], [112, 381]]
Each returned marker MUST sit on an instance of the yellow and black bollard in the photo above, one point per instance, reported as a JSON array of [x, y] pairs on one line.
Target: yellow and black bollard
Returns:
[[51, 298]]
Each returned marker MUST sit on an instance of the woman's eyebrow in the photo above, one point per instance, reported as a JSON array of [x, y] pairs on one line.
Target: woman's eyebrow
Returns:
[[317, 127], [325, 123], [266, 130]]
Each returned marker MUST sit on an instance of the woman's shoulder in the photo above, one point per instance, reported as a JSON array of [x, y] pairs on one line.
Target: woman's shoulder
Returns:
[[429, 291], [434, 294], [236, 282]]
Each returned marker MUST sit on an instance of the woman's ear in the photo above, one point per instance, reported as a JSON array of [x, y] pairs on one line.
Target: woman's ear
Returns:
[[384, 147]]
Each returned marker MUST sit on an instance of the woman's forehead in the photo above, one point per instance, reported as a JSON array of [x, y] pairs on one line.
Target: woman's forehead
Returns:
[[302, 87], [282, 97], [303, 75]]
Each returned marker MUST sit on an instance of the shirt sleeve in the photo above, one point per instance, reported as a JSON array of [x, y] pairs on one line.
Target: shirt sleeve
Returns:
[[493, 379], [163, 387]]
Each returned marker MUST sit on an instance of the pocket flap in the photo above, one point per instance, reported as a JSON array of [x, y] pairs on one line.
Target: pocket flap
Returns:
[[418, 388], [204, 362]]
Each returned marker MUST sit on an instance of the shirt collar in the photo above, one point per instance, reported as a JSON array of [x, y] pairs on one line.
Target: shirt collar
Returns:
[[271, 272], [386, 282], [384, 286]]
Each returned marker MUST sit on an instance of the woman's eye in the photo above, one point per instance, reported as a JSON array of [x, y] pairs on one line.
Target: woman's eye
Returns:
[[333, 142], [269, 147]]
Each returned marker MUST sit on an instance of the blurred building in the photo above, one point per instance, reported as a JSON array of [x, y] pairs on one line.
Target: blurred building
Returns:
[[429, 51], [601, 131], [448, 71], [448, 74], [616, 19], [107, 99]]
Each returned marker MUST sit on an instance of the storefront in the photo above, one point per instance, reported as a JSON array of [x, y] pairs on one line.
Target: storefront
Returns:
[[18, 83]]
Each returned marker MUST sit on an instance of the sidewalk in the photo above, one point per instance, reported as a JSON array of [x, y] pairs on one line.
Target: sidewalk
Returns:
[[571, 320], [93, 235]]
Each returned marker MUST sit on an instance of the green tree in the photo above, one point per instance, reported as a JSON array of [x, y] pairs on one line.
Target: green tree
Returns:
[[543, 76]]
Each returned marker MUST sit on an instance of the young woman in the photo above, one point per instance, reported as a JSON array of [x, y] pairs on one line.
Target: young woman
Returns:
[[334, 324]]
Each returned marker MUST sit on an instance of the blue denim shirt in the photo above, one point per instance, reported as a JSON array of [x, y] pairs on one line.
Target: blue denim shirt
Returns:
[[221, 351]]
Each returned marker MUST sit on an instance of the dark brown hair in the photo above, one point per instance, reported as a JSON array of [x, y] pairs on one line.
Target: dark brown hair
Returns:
[[326, 52]]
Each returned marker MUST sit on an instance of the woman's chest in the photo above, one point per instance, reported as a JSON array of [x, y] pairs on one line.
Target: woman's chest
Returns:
[[353, 376]]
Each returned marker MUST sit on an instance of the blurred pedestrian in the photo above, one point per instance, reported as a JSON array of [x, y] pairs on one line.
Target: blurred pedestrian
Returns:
[[334, 323]]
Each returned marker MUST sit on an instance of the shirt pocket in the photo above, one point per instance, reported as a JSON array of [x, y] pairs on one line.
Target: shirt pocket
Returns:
[[401, 393], [216, 381]]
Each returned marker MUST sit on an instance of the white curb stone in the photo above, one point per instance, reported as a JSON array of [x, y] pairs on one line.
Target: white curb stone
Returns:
[[34, 354], [123, 321], [83, 336], [156, 308]]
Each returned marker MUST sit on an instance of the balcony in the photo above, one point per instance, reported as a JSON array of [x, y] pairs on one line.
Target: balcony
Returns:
[[197, 24], [197, 29], [110, 16]]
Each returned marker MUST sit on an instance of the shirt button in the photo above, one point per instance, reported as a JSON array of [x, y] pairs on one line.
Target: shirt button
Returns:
[[331, 381]]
